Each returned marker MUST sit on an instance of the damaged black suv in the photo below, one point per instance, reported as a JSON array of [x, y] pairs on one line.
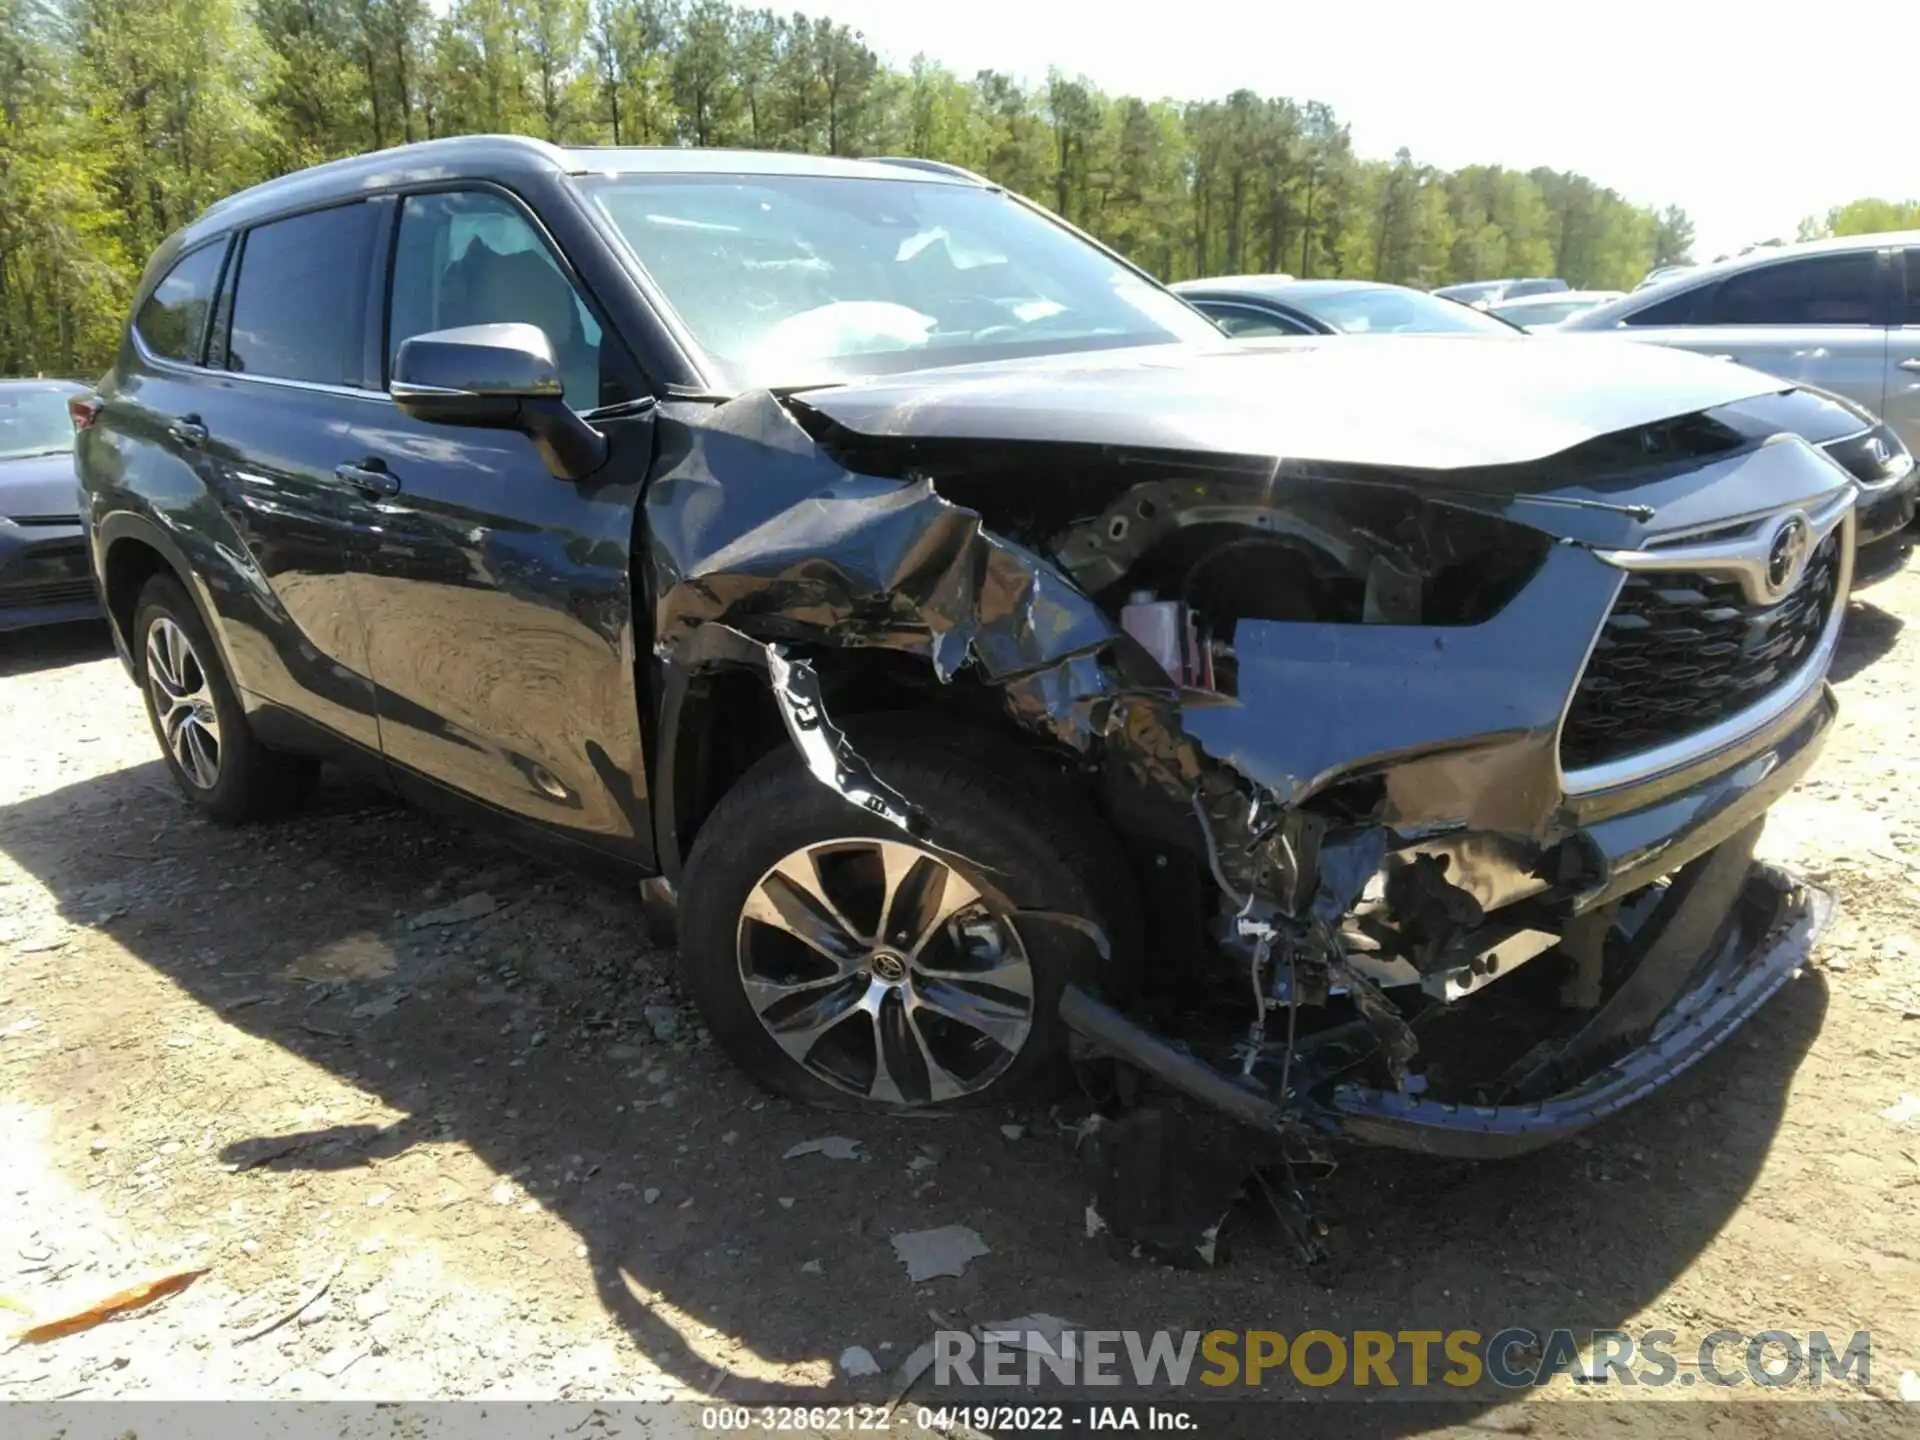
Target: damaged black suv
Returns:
[[1363, 738]]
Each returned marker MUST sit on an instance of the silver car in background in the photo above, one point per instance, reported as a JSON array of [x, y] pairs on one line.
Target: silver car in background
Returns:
[[1840, 314]]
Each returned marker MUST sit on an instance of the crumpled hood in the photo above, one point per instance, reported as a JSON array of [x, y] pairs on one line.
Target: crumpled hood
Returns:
[[39, 485], [1427, 402]]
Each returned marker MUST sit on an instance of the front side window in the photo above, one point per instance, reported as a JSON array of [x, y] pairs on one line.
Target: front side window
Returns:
[[299, 307], [1245, 324], [1818, 290], [175, 314], [472, 258], [800, 279], [1681, 309], [1913, 287]]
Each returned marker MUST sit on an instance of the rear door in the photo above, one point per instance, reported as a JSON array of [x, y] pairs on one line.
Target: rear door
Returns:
[[497, 597], [288, 375], [1817, 319], [1902, 407]]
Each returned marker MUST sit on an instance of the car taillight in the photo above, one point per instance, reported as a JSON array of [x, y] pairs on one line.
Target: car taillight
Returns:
[[83, 410]]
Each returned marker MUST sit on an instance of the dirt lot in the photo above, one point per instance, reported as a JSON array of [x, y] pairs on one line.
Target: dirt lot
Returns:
[[279, 1054]]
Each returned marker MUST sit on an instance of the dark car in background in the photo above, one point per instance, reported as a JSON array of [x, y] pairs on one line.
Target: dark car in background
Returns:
[[1364, 738], [44, 576], [1250, 306]]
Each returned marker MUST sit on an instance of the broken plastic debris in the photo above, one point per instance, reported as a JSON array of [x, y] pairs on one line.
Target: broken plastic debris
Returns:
[[1910, 1387], [121, 1301], [929, 1254], [857, 1362], [834, 1147], [471, 907], [1904, 1111]]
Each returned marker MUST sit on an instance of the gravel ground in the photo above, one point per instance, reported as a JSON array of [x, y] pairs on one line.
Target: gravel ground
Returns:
[[368, 1049]]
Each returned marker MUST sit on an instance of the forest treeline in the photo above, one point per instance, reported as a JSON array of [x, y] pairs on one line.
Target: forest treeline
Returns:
[[121, 119]]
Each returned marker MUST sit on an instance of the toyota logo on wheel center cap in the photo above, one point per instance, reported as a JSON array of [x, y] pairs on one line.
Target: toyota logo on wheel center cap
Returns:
[[1787, 554]]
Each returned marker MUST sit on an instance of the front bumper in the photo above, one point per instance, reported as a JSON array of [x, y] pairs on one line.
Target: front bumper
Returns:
[[45, 578]]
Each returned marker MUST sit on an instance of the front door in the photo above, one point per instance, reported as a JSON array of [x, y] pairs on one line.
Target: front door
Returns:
[[497, 599]]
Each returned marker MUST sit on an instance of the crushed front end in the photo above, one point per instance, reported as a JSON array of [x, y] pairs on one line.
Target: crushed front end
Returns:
[[1441, 784]]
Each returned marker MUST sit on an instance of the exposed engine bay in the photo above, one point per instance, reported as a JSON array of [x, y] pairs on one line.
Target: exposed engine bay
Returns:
[[1325, 705]]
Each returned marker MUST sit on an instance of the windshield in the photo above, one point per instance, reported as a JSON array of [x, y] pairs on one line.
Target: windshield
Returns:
[[1393, 311], [788, 280], [33, 421]]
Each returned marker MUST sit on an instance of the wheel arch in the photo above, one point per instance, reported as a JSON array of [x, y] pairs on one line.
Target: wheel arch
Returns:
[[132, 550]]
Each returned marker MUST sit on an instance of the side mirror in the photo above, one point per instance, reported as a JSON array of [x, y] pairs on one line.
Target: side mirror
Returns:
[[496, 377]]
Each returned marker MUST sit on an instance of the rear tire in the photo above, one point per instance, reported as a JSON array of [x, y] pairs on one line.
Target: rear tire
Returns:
[[216, 759], [960, 998]]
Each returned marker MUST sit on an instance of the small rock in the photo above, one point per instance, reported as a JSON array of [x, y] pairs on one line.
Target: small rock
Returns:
[[650, 1195], [812, 1267], [97, 1146], [1013, 1132], [729, 1137], [786, 1202], [1910, 1387], [502, 1194], [1904, 1111], [662, 1020], [856, 1362]]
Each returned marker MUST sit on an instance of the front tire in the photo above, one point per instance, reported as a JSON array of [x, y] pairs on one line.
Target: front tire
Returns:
[[216, 760], [840, 963]]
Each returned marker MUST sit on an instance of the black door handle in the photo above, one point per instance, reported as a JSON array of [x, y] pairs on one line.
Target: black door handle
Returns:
[[371, 478], [188, 431]]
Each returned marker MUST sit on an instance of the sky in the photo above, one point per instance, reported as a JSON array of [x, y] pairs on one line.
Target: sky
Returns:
[[1749, 114]]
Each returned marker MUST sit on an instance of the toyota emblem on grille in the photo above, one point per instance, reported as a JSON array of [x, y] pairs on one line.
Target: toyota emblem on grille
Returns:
[[1787, 554]]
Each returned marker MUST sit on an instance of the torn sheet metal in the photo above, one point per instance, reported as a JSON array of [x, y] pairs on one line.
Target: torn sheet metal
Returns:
[[753, 527]]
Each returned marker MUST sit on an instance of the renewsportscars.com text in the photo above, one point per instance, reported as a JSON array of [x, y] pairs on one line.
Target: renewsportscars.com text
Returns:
[[1514, 1358]]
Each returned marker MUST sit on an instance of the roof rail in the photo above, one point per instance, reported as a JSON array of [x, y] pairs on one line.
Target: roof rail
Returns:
[[933, 167]]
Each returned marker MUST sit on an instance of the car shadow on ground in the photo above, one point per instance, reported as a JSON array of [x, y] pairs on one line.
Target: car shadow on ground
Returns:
[[26, 652], [1869, 634], [525, 1035]]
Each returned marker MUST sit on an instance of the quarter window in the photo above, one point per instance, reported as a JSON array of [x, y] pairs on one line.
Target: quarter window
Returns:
[[1912, 316], [1819, 290], [299, 310], [171, 321], [472, 258]]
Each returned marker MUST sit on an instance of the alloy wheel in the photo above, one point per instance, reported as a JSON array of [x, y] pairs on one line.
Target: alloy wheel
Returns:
[[183, 701], [879, 969]]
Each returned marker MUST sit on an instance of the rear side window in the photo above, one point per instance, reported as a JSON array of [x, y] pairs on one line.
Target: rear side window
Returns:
[[299, 309], [171, 322], [1912, 316], [1819, 290]]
